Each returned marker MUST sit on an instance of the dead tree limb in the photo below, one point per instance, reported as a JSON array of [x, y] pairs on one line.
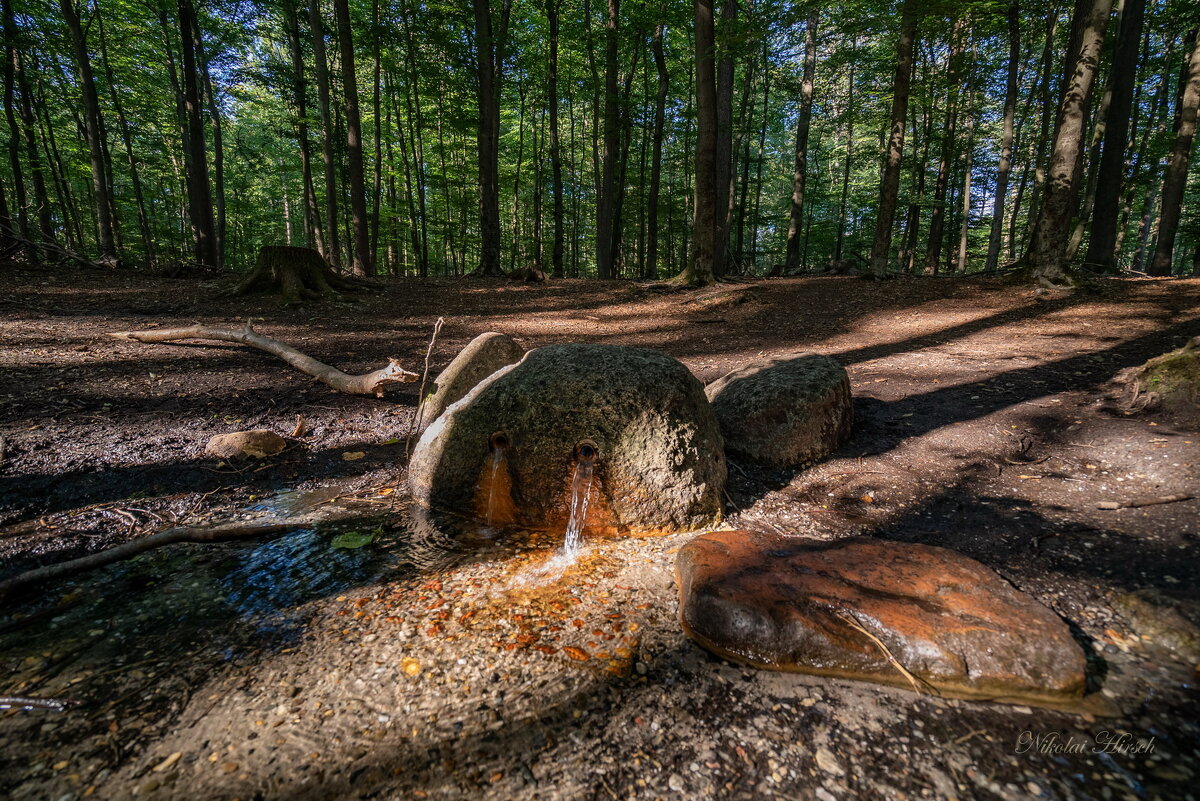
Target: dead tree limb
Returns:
[[372, 383], [1138, 504], [243, 529]]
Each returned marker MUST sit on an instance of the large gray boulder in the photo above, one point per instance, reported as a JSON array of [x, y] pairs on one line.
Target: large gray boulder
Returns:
[[506, 454], [784, 412], [483, 355]]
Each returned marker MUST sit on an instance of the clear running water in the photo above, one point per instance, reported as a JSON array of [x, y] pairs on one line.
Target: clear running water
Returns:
[[581, 490]]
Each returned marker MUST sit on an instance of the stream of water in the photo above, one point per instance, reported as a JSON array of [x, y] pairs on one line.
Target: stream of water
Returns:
[[581, 490]]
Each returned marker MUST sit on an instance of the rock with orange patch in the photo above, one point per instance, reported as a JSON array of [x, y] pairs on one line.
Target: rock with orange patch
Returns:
[[785, 412], [863, 608], [513, 446]]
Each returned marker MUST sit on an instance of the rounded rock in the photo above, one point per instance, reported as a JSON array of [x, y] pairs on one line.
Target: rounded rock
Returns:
[[784, 412], [636, 420], [483, 355]]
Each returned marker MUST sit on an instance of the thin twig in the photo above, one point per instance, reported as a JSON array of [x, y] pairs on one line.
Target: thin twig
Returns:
[[437, 327], [854, 624]]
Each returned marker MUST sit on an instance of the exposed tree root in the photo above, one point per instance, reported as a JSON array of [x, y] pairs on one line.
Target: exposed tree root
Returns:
[[372, 383], [299, 274], [223, 532]]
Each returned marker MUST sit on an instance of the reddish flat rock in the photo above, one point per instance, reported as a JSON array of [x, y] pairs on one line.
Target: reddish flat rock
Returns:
[[858, 608]]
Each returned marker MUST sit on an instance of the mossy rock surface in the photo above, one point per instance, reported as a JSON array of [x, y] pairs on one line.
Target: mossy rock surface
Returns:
[[1170, 383], [658, 459]]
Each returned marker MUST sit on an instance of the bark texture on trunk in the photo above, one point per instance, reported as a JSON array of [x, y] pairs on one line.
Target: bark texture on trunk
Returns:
[[660, 101], [800, 172], [332, 252], [1101, 253], [1004, 169], [200, 208], [556, 249], [1047, 249], [362, 261], [106, 237], [605, 212], [699, 270], [889, 183], [1175, 177]]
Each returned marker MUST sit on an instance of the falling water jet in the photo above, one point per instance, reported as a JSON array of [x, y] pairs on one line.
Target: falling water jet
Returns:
[[581, 490], [493, 501]]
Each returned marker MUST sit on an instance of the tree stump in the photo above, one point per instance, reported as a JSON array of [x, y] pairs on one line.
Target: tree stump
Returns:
[[298, 274]]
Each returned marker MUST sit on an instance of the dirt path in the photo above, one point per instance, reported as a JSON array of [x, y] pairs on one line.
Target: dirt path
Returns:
[[292, 669]]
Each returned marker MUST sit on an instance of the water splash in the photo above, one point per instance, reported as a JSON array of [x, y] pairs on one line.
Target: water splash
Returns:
[[581, 491]]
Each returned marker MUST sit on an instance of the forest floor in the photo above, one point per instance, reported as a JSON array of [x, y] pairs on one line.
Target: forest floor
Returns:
[[287, 668]]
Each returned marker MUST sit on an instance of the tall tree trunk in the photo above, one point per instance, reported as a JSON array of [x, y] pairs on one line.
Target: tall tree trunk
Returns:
[[489, 46], [1101, 253], [937, 216], [845, 193], [1006, 136], [605, 228], [1037, 149], [968, 161], [363, 262], [1175, 177], [29, 130], [127, 140], [416, 117], [889, 184], [723, 154], [556, 251], [1047, 250], [376, 110], [312, 213], [11, 59], [800, 172], [214, 113], [200, 209], [699, 269], [333, 251], [106, 237]]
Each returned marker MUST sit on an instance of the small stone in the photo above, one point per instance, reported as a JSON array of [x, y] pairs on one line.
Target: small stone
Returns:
[[168, 762], [257, 444], [676, 783], [827, 763]]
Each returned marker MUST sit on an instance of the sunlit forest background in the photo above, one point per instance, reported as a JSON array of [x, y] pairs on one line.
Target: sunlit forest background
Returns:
[[245, 110]]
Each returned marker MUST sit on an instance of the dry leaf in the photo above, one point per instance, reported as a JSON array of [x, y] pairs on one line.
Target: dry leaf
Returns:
[[301, 427], [353, 456], [578, 654]]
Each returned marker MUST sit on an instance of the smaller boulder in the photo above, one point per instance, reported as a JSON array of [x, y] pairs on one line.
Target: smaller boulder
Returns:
[[483, 355], [904, 614], [784, 412], [257, 444]]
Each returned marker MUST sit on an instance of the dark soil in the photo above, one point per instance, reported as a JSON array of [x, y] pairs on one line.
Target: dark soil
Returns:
[[985, 422]]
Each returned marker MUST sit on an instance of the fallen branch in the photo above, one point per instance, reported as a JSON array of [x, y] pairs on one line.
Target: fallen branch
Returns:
[[223, 532], [1114, 505], [369, 384], [9, 233]]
